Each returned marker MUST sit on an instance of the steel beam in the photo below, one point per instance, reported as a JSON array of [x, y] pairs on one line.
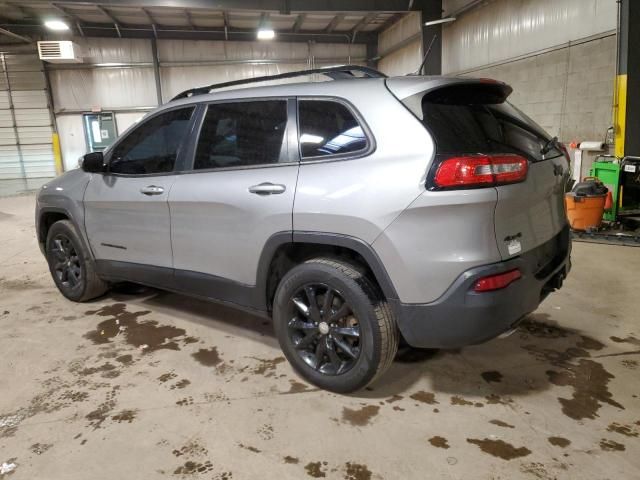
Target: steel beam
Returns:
[[14, 35], [335, 21], [283, 6], [110, 17]]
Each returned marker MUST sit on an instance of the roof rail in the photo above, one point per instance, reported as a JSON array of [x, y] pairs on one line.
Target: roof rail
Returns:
[[342, 71]]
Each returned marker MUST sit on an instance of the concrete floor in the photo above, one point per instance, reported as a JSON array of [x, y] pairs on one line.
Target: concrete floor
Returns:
[[211, 396]]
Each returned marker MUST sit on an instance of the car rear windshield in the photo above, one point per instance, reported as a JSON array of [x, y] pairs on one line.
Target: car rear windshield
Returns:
[[473, 120]]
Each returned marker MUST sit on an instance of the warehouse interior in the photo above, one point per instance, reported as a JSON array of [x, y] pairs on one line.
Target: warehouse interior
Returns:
[[213, 397]]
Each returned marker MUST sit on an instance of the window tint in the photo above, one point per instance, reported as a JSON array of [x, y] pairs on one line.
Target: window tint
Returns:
[[242, 134], [484, 128], [328, 128], [153, 146]]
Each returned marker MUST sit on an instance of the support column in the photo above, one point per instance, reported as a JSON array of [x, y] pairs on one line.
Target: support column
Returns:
[[431, 10], [627, 94]]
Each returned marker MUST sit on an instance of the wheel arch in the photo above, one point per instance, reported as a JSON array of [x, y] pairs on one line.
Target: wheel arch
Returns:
[[47, 216], [284, 250]]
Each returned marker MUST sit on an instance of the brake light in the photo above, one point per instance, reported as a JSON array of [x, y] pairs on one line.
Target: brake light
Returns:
[[497, 282], [481, 171]]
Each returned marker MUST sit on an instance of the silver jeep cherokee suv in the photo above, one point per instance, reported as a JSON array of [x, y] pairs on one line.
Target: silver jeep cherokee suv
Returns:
[[357, 213]]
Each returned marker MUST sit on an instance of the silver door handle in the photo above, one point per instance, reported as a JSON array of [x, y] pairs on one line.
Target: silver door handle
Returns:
[[267, 189], [152, 190]]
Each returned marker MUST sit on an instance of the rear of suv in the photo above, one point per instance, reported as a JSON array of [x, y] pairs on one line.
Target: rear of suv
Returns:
[[357, 213]]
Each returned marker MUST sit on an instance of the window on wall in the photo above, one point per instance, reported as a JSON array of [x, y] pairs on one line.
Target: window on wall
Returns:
[[153, 146], [242, 134], [328, 128]]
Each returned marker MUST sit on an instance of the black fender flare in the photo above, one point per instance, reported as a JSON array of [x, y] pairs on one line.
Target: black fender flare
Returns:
[[359, 246]]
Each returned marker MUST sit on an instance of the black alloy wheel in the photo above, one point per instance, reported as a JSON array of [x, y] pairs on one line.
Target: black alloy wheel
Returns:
[[66, 264], [323, 329]]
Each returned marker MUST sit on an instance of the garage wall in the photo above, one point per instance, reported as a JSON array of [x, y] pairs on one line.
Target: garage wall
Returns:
[[400, 46], [118, 75], [25, 122], [559, 55]]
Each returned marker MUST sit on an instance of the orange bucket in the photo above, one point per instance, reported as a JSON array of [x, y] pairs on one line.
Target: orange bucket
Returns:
[[584, 212]]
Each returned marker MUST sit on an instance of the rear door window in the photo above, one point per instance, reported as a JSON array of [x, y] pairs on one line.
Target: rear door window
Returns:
[[329, 128], [475, 125], [242, 134]]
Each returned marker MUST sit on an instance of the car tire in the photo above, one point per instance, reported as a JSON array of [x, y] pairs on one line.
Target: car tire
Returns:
[[71, 265], [336, 351]]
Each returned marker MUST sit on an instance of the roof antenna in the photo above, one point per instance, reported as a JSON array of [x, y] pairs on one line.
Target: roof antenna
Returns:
[[426, 56]]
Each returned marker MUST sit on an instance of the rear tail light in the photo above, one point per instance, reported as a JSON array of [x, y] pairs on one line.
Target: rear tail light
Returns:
[[481, 171], [497, 282]]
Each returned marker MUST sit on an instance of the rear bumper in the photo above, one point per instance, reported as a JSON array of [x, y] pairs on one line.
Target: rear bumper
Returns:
[[463, 317]]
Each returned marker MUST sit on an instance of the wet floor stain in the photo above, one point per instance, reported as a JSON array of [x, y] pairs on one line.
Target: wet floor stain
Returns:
[[500, 423], [191, 468], [75, 396], [492, 376], [424, 397], [627, 430], [250, 448], [630, 340], [630, 364], [356, 471], [573, 368], [265, 432], [457, 400], [98, 416], [316, 469], [207, 357], [180, 384], [266, 367], [185, 402], [611, 446], [290, 460], [191, 449], [165, 377], [147, 335], [107, 370], [127, 416], [360, 417], [500, 448], [394, 398], [590, 381], [559, 441], [40, 448], [439, 442], [297, 387], [125, 359]]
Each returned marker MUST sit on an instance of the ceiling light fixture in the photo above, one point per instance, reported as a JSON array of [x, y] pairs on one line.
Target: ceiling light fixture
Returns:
[[266, 34], [439, 21], [57, 25]]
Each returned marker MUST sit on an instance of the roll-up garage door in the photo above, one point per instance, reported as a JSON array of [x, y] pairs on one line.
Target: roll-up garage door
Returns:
[[26, 150]]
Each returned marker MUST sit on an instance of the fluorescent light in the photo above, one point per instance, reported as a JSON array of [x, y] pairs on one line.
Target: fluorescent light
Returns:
[[266, 34], [56, 25], [438, 22]]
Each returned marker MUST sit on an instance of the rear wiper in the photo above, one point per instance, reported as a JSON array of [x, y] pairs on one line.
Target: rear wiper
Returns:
[[551, 143]]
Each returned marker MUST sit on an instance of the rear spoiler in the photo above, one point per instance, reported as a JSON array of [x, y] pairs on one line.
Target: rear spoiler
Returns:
[[411, 91]]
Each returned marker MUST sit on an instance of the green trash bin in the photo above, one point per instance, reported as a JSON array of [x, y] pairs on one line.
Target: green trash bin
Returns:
[[609, 174]]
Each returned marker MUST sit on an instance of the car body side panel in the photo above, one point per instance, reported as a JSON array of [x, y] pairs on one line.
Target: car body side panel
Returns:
[[125, 225], [65, 194], [359, 197], [438, 237], [219, 228]]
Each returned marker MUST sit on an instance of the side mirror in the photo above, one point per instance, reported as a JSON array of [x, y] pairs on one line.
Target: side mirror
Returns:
[[93, 162]]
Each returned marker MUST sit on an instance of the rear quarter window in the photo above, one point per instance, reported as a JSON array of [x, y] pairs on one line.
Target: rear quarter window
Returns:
[[329, 128], [472, 123]]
